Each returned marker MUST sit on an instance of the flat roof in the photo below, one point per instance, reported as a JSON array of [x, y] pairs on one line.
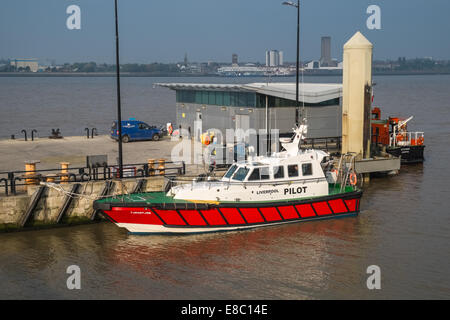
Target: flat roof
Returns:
[[308, 92]]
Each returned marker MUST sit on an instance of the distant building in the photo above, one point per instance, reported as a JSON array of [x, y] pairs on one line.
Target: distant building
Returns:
[[274, 58], [234, 59], [257, 105], [317, 65], [25, 64], [325, 58]]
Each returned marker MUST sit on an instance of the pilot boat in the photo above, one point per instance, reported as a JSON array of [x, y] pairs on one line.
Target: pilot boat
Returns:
[[289, 186]]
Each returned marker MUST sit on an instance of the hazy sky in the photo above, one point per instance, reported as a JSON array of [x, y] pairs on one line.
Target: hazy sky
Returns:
[[211, 30]]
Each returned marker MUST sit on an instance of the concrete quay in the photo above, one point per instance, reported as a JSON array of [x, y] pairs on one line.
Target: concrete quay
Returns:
[[17, 212], [50, 152]]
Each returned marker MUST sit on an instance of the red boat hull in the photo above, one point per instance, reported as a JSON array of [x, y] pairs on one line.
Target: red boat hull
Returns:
[[201, 217]]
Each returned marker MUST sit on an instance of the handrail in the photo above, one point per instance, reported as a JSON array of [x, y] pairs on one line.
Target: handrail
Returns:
[[82, 174], [251, 183]]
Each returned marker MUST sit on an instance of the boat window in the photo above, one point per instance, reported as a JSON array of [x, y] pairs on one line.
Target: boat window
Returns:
[[293, 170], [307, 169], [254, 175], [230, 171], [278, 172], [265, 175], [241, 174]]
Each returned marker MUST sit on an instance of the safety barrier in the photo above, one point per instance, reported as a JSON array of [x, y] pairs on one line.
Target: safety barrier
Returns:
[[14, 182]]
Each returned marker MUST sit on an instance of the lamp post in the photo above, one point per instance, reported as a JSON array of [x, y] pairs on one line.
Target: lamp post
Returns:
[[119, 111], [296, 5]]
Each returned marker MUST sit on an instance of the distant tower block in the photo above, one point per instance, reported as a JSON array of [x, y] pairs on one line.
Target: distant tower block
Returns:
[[357, 73], [234, 59], [274, 58], [325, 59]]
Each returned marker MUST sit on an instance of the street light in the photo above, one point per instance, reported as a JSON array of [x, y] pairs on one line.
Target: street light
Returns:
[[296, 5], [119, 111]]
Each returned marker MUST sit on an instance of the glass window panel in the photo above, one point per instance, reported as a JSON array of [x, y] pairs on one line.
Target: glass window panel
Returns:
[[265, 173], [293, 170], [242, 99], [212, 97], [230, 171], [241, 174], [219, 98], [307, 169], [254, 175], [251, 99], [233, 98], [205, 97], [278, 172], [198, 97], [226, 99]]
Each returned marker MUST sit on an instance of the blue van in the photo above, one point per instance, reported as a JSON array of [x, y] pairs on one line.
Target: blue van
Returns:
[[135, 130]]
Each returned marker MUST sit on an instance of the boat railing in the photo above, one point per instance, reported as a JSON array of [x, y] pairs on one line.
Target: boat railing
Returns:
[[345, 170], [409, 138], [191, 182]]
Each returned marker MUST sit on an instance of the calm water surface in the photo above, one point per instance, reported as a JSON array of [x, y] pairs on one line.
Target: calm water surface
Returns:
[[404, 225]]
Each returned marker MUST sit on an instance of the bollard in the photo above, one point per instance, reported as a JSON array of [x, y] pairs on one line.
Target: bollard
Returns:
[[64, 172], [151, 167], [161, 166], [87, 132], [50, 177], [30, 172], [92, 132]]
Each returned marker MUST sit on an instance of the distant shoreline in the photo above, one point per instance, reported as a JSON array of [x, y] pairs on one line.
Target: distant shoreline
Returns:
[[180, 75]]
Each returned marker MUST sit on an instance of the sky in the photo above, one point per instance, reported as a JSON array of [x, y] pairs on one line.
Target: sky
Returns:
[[212, 30]]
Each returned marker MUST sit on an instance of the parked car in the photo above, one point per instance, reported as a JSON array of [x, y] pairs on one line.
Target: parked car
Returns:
[[133, 130]]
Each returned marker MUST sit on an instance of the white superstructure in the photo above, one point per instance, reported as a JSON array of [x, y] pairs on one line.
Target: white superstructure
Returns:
[[289, 174]]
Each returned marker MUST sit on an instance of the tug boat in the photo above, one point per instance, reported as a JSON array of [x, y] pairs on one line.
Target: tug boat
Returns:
[[289, 186], [393, 134]]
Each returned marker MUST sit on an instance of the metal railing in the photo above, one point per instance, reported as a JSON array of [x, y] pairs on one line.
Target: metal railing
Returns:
[[406, 138], [213, 181], [326, 143], [13, 182]]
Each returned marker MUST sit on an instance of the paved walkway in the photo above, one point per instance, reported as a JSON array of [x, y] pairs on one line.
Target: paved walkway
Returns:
[[50, 152]]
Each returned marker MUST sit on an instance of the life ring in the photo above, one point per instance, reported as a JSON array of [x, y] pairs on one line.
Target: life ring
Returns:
[[353, 179], [420, 141], [170, 129]]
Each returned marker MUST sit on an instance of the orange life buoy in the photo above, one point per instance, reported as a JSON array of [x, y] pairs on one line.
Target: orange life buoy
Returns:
[[353, 179], [206, 139], [170, 129], [420, 141]]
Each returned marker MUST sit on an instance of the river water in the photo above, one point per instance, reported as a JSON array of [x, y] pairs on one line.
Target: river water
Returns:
[[404, 225]]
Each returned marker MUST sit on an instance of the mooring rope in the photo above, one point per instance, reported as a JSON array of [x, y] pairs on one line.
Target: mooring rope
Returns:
[[59, 188]]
